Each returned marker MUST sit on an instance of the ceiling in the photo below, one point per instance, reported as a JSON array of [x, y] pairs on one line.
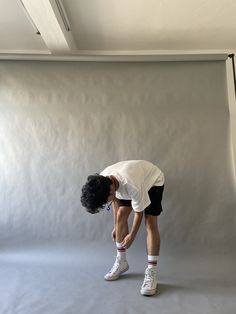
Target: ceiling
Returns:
[[116, 26]]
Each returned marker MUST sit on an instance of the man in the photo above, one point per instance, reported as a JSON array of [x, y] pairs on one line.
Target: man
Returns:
[[129, 185]]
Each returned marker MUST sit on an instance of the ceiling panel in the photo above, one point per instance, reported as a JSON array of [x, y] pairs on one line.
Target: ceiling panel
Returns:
[[16, 32], [152, 24], [129, 25]]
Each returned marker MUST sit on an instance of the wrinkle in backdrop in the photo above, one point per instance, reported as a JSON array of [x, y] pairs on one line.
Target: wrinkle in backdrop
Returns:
[[61, 121]]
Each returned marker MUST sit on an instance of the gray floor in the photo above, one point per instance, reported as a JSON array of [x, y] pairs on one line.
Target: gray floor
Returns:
[[67, 278]]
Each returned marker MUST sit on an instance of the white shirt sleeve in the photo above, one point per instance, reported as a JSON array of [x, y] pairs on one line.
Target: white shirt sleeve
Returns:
[[140, 200]]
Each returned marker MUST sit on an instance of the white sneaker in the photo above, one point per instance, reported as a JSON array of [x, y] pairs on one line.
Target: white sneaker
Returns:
[[149, 286], [120, 266]]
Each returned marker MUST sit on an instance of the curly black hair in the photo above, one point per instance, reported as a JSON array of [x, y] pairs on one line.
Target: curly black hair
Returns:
[[95, 192]]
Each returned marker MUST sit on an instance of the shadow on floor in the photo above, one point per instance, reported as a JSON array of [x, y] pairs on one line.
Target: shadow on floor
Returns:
[[132, 276], [167, 287]]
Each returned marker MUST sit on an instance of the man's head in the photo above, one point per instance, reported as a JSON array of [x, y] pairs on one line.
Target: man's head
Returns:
[[95, 193]]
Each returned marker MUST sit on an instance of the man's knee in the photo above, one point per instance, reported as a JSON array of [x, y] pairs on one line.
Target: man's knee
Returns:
[[122, 214], [151, 223]]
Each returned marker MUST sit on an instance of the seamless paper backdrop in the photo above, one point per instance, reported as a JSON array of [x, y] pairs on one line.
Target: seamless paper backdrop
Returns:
[[61, 121]]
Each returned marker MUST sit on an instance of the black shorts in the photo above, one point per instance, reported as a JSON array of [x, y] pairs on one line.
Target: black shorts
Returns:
[[155, 208]]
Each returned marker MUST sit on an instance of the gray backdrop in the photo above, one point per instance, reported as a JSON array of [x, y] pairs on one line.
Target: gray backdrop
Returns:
[[61, 121]]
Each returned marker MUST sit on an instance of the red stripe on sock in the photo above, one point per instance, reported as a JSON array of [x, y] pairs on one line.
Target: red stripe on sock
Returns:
[[152, 262], [121, 249]]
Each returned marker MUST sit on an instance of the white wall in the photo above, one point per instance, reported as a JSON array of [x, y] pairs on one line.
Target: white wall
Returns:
[[232, 107]]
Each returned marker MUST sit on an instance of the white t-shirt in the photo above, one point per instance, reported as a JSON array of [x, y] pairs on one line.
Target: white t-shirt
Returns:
[[135, 177]]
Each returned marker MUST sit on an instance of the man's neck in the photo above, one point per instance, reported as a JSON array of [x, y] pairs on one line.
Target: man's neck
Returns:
[[115, 182]]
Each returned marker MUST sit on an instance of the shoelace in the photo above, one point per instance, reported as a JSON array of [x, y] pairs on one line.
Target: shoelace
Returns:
[[149, 276]]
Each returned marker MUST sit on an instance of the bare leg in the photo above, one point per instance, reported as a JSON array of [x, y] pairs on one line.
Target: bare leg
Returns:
[[122, 228], [153, 236]]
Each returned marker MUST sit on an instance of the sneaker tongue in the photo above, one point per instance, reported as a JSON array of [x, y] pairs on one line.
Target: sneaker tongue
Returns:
[[149, 271]]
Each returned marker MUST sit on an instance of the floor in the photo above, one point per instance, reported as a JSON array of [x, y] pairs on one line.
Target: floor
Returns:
[[53, 278]]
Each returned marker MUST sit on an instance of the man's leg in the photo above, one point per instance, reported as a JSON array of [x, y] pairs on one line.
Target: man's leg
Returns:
[[122, 228], [153, 236], [149, 286], [120, 266]]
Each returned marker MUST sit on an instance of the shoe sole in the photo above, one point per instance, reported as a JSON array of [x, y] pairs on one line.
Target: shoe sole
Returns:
[[149, 293], [116, 277]]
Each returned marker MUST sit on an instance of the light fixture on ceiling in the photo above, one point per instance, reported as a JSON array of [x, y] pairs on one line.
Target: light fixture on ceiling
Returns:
[[29, 18], [62, 12]]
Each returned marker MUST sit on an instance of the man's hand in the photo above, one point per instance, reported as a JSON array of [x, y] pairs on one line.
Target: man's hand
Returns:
[[128, 240], [113, 234]]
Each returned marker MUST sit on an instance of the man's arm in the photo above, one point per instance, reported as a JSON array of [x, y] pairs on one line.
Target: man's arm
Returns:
[[128, 240]]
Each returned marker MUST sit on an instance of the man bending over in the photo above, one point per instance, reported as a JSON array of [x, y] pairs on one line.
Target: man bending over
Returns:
[[129, 185]]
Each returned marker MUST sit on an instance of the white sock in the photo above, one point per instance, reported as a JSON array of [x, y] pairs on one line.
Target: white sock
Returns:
[[152, 261], [121, 251]]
